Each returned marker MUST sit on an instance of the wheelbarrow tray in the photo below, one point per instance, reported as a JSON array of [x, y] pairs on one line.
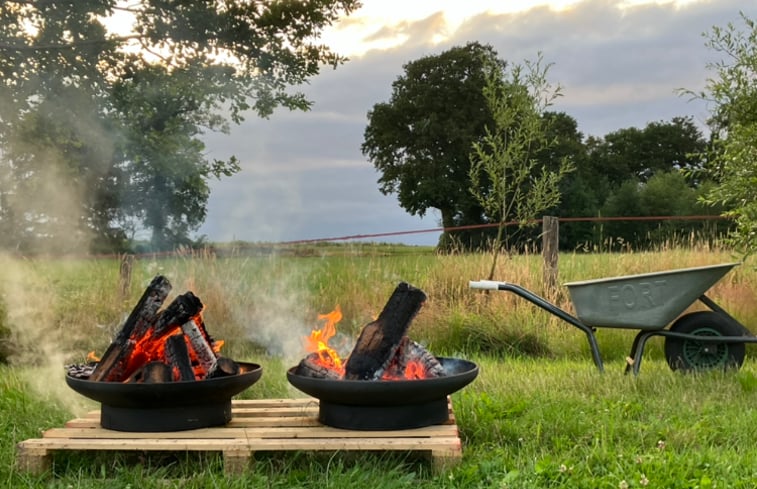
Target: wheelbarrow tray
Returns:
[[646, 301]]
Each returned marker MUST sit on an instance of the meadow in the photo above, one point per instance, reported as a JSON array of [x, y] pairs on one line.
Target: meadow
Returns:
[[539, 414]]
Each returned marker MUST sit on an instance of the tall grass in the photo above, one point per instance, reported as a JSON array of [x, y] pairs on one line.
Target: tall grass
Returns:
[[539, 415], [71, 307]]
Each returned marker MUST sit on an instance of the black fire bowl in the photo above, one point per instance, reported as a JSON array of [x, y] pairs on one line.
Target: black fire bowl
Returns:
[[169, 406], [386, 404]]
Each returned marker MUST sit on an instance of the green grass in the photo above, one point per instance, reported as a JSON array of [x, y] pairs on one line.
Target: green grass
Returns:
[[539, 415]]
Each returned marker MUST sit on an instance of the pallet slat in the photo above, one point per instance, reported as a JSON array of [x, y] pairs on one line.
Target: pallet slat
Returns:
[[256, 425]]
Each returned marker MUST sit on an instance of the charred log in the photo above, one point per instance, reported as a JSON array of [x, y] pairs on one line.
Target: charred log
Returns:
[[379, 339], [225, 367], [204, 353], [156, 373], [203, 330], [312, 366], [141, 318], [183, 308], [177, 355], [152, 373]]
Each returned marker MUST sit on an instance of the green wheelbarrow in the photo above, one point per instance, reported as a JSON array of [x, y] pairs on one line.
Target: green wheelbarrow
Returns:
[[653, 303]]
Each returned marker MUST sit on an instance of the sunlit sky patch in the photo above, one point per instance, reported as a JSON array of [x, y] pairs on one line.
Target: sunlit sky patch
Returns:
[[379, 24]]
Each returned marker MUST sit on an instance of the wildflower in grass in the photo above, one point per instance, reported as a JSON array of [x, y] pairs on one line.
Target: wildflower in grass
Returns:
[[623, 484], [643, 481], [563, 468], [661, 444]]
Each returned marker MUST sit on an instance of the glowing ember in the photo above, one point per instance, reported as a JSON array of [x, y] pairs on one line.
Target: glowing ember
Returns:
[[151, 347], [415, 370]]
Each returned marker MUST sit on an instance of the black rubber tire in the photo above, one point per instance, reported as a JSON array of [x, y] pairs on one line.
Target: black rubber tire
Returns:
[[691, 355]]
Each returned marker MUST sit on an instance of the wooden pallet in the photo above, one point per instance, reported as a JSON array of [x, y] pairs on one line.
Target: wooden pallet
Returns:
[[256, 425]]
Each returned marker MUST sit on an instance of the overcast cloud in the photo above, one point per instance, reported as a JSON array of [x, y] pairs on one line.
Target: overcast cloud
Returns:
[[303, 175]]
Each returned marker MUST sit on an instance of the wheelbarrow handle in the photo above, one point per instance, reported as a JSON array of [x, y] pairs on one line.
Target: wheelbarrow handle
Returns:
[[486, 284], [547, 306]]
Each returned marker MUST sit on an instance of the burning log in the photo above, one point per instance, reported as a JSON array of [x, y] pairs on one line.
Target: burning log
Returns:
[[136, 346], [313, 366], [379, 340], [177, 355], [204, 353], [183, 308], [382, 351], [174, 337], [140, 319]]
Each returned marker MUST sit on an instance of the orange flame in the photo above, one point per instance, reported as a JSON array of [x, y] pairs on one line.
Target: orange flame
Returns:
[[318, 341], [328, 358]]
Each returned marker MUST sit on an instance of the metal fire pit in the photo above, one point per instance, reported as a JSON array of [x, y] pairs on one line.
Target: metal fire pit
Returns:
[[386, 404], [169, 406]]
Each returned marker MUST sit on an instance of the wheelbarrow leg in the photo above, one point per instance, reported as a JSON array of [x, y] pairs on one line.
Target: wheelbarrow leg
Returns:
[[553, 309], [631, 358], [633, 362]]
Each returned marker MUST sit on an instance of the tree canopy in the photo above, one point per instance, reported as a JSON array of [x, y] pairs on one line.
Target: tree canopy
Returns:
[[642, 152], [420, 140], [733, 93], [100, 122]]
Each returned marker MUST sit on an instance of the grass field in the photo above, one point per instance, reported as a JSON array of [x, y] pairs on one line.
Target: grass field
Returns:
[[539, 414]]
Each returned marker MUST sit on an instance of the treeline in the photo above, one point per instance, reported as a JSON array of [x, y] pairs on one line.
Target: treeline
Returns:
[[658, 170], [474, 137]]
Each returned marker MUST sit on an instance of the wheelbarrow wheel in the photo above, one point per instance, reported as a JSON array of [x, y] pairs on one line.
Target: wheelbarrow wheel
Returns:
[[691, 355]]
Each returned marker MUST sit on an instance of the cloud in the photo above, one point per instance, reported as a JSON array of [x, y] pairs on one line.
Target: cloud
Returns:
[[305, 177], [626, 62]]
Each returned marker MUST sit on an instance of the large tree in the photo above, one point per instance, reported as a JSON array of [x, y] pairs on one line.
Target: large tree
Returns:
[[421, 139], [110, 115]]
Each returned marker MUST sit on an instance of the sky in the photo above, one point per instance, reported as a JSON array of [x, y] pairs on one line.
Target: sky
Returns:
[[620, 63]]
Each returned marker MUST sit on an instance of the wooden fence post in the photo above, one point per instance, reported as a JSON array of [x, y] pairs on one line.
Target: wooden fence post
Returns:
[[550, 240], [124, 274]]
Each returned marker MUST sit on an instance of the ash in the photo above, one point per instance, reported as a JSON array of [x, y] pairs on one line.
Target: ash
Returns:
[[80, 370]]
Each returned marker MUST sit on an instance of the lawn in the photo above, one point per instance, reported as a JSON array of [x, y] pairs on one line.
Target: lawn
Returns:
[[539, 414]]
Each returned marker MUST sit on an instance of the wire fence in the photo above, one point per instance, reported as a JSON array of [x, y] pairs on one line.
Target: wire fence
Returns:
[[509, 223], [264, 248]]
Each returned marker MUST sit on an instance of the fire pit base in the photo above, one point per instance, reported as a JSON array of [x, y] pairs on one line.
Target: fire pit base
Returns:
[[178, 418], [167, 406], [386, 404], [382, 418]]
